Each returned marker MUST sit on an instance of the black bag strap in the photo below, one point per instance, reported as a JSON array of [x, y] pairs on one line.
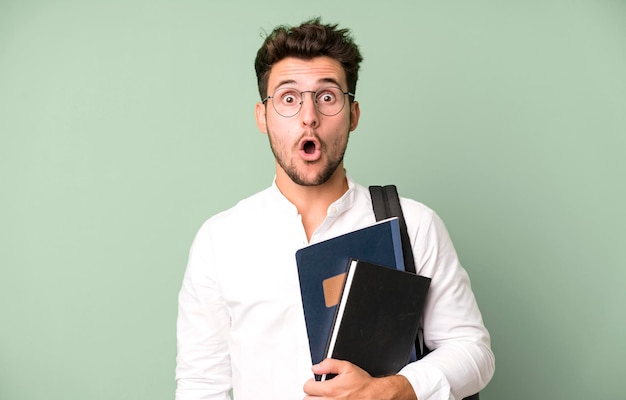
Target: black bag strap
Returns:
[[386, 204]]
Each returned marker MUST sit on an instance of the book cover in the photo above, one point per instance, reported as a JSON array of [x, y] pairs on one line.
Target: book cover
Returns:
[[377, 318], [322, 269]]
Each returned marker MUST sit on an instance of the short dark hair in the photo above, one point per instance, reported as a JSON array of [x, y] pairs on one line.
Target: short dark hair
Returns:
[[310, 39]]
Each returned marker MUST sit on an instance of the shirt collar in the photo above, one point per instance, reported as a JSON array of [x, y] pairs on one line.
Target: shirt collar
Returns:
[[281, 201], [336, 208]]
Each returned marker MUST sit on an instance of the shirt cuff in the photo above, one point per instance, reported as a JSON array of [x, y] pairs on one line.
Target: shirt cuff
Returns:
[[428, 382]]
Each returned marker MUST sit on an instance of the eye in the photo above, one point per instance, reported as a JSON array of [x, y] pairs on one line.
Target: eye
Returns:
[[289, 97], [326, 96]]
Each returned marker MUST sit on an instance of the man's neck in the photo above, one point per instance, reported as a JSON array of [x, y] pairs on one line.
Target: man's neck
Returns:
[[312, 202]]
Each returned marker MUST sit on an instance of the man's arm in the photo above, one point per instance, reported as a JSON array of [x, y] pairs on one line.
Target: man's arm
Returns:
[[461, 362], [203, 363]]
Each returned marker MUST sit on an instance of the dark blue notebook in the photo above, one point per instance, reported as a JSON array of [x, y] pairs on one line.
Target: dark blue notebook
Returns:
[[322, 267]]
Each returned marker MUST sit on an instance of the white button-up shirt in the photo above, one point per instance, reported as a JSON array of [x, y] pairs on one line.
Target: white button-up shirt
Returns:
[[241, 324]]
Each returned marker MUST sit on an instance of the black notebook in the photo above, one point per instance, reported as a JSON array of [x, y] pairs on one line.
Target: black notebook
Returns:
[[377, 318]]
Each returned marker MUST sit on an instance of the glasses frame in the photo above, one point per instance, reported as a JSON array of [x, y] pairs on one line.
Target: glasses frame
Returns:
[[314, 92]]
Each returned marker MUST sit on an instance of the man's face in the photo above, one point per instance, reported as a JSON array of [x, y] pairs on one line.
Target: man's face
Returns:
[[308, 146]]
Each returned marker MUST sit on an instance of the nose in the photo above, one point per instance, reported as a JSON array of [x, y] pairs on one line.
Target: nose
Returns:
[[309, 116]]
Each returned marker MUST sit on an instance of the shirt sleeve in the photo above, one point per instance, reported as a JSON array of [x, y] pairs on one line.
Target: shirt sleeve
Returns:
[[203, 370], [461, 362]]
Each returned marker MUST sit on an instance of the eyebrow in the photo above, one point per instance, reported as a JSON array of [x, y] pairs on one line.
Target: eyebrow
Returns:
[[294, 82]]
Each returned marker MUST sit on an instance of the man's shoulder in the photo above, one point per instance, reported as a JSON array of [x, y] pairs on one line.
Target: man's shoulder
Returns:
[[410, 206], [414, 206], [249, 207], [239, 222], [415, 212]]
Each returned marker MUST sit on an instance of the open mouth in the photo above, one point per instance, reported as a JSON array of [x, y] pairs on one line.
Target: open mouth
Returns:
[[309, 147]]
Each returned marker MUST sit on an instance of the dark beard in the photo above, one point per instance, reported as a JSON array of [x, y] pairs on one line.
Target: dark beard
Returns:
[[298, 178]]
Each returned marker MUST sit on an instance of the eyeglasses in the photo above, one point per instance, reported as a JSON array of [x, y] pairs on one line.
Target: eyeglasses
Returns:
[[328, 101]]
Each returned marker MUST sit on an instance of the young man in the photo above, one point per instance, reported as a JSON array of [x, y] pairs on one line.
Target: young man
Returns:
[[241, 324]]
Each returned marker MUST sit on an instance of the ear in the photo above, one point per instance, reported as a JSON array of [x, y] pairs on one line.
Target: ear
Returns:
[[261, 121], [355, 114]]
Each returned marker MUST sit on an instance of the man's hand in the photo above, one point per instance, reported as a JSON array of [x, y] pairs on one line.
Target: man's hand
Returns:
[[352, 382]]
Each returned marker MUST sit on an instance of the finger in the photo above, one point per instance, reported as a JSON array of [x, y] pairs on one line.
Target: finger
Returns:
[[313, 389], [330, 366]]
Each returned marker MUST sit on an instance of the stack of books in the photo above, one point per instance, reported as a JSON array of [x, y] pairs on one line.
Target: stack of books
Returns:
[[360, 305]]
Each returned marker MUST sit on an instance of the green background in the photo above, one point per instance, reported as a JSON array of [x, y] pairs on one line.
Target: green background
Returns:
[[125, 124]]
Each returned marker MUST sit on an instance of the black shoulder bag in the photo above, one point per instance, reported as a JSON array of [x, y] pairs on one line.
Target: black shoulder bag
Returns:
[[386, 204]]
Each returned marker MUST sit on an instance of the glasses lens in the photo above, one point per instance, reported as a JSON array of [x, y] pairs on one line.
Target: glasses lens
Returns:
[[287, 101], [329, 100]]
